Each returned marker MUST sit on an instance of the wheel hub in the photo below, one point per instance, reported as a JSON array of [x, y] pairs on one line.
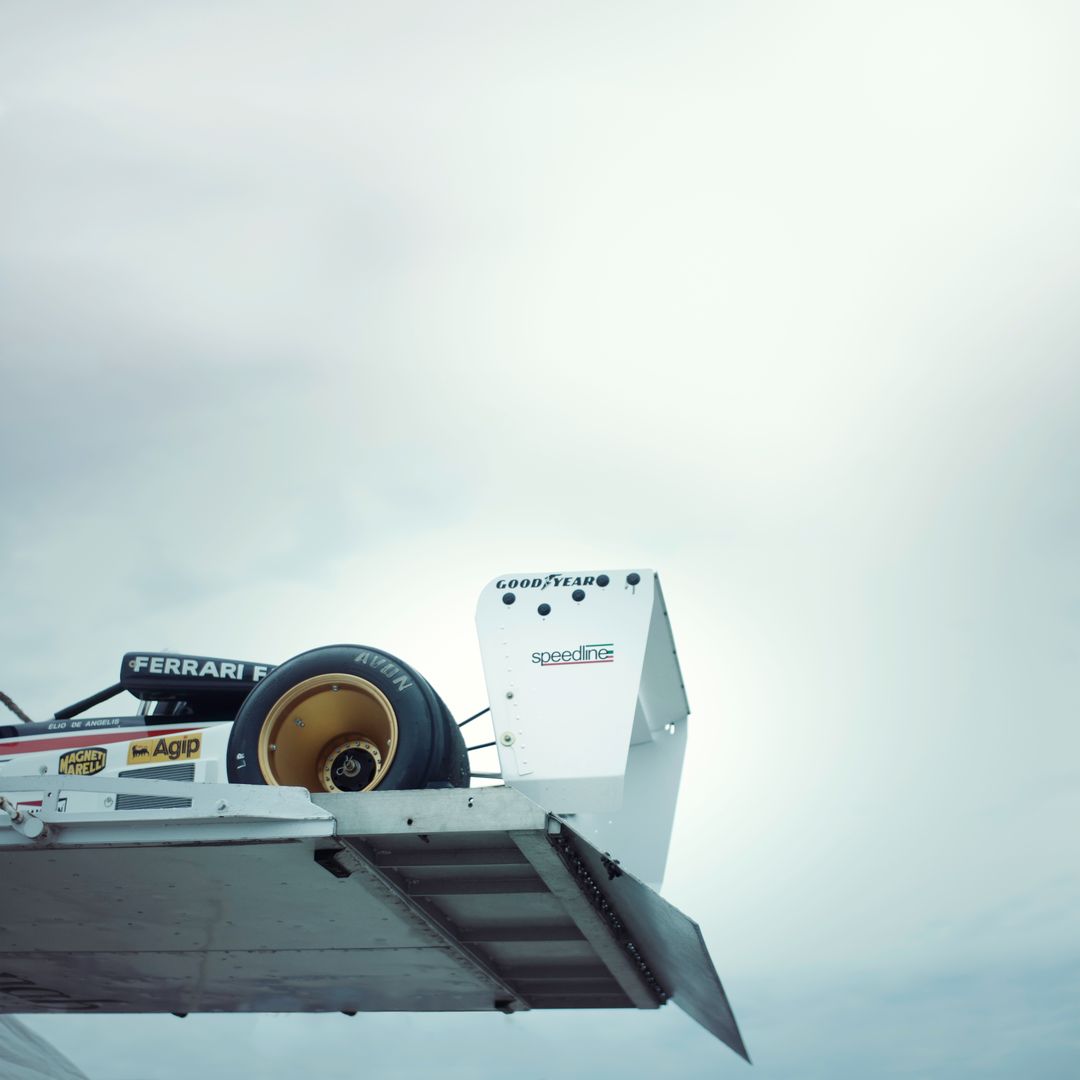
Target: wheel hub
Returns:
[[333, 732], [350, 766]]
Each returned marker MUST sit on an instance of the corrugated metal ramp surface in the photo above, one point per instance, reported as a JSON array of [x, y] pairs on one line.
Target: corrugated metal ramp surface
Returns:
[[420, 900]]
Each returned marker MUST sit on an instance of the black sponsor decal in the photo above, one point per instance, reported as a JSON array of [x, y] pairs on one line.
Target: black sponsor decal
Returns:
[[548, 581], [195, 667], [85, 761], [168, 677], [583, 654]]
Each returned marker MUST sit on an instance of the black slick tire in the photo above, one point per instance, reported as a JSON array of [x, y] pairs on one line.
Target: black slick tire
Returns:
[[430, 749]]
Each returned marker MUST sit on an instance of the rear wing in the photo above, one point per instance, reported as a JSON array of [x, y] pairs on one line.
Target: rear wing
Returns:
[[588, 703]]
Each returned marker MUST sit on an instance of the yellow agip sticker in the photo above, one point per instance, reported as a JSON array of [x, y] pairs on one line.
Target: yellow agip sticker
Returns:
[[185, 747]]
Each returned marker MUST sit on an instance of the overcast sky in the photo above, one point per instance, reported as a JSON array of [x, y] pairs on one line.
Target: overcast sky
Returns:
[[315, 317]]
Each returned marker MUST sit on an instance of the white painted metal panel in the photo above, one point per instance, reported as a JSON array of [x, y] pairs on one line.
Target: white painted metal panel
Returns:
[[588, 703]]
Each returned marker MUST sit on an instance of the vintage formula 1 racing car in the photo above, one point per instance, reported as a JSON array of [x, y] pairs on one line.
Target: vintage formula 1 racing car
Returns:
[[335, 719], [586, 700]]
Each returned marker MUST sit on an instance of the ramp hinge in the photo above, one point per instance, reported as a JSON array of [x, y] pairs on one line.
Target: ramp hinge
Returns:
[[594, 894]]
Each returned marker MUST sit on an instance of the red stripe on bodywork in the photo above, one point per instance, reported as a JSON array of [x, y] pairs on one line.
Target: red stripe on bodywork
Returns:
[[571, 663], [62, 742]]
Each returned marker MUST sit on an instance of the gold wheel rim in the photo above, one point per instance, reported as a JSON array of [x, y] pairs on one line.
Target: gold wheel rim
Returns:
[[318, 718]]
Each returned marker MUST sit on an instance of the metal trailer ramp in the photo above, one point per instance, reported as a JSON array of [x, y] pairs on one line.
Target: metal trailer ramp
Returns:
[[270, 900]]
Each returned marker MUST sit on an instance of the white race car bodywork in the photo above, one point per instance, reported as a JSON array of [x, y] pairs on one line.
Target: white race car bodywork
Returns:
[[176, 750]]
